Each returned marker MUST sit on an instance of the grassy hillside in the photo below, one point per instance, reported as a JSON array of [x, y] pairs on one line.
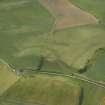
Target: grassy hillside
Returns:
[[57, 67], [19, 21], [24, 39], [75, 46], [95, 7], [44, 89], [7, 78]]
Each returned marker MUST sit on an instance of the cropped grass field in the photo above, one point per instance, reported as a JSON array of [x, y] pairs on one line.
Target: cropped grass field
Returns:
[[44, 90]]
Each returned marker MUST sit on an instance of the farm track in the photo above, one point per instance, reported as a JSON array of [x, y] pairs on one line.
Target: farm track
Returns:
[[77, 76], [70, 75]]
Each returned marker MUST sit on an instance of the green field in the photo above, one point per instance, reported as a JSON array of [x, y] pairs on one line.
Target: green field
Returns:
[[29, 41], [25, 47], [7, 78], [92, 95], [20, 20], [44, 89], [95, 7], [52, 90], [75, 46], [97, 69], [24, 16]]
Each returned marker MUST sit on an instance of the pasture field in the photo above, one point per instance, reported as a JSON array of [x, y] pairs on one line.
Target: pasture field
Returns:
[[97, 69], [45, 90], [56, 67], [52, 90], [95, 7], [72, 46], [92, 95], [55, 36], [20, 20], [24, 16], [66, 14], [78, 44]]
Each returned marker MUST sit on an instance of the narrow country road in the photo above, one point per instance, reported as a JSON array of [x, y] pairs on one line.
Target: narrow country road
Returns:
[[76, 76]]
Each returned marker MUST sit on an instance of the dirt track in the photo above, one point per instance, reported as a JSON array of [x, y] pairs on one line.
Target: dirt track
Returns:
[[66, 14]]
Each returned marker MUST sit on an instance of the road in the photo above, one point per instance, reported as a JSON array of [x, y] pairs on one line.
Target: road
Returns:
[[76, 76], [70, 75]]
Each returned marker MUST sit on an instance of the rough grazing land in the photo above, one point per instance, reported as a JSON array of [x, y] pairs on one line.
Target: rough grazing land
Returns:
[[66, 14]]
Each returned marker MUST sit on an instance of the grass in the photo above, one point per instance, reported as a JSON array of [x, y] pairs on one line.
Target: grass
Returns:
[[25, 37], [72, 46], [97, 69], [24, 16], [7, 78], [53, 90], [23, 42], [90, 94], [75, 46], [95, 7], [44, 89], [93, 95], [103, 101], [20, 20], [56, 67]]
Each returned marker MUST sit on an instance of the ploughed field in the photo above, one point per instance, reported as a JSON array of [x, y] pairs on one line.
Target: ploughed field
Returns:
[[66, 14]]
